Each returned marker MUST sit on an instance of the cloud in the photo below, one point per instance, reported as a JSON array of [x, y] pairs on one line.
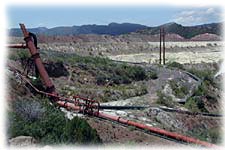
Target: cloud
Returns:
[[198, 16], [210, 11]]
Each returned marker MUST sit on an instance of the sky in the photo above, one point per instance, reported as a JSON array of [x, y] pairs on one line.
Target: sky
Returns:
[[49, 16]]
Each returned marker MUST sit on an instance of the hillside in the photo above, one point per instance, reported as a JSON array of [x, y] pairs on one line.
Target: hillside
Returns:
[[111, 29], [177, 31], [185, 31], [160, 88]]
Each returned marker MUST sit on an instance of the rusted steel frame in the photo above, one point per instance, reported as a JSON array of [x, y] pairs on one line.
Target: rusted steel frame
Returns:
[[74, 103], [22, 45], [160, 45], [164, 57], [35, 54]]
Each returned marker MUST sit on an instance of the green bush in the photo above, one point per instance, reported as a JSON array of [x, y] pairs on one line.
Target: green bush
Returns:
[[103, 69], [152, 75], [19, 54], [23, 54], [175, 65], [178, 91], [101, 79], [215, 135], [212, 135], [79, 131], [203, 74], [195, 104], [120, 74], [165, 100], [52, 127]]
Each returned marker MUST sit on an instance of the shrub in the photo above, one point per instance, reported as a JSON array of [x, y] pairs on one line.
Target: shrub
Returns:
[[52, 127], [79, 131], [101, 79], [165, 100], [20, 54], [23, 54], [175, 65], [136, 73], [27, 109], [152, 75], [120, 74], [203, 91], [202, 74], [178, 91], [215, 135], [195, 104], [102, 68]]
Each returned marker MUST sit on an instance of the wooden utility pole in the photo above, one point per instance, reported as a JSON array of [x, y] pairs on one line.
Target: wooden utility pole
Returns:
[[162, 46], [164, 57]]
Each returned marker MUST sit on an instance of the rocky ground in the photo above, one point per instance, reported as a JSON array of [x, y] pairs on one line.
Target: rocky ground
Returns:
[[116, 134], [186, 85], [104, 45]]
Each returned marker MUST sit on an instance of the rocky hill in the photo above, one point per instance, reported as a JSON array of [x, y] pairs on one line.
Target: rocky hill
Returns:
[[110, 29], [125, 32], [185, 31]]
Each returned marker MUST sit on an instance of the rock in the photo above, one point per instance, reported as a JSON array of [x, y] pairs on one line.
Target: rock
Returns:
[[22, 141]]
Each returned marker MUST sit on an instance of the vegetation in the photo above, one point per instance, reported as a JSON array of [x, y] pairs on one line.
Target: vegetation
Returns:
[[48, 125], [152, 75], [215, 135], [202, 74], [165, 100], [175, 65], [109, 80], [184, 31], [19, 54], [120, 74], [104, 69], [178, 90], [38, 83], [195, 103], [212, 135], [106, 93]]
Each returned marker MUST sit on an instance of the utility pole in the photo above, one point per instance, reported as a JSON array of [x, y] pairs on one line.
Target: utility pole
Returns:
[[164, 57], [162, 46]]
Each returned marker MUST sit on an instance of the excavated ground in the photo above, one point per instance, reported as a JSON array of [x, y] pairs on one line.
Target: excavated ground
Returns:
[[75, 79]]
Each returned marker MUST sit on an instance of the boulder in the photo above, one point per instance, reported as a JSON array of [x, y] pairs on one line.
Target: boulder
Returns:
[[22, 141]]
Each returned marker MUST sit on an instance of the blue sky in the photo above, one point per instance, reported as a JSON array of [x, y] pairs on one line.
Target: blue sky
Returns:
[[47, 16]]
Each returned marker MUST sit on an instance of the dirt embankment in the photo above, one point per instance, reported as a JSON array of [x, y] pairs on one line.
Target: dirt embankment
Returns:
[[105, 45]]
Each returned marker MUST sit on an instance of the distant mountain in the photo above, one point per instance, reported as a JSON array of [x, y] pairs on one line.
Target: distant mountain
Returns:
[[110, 29], [18, 32], [185, 31]]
